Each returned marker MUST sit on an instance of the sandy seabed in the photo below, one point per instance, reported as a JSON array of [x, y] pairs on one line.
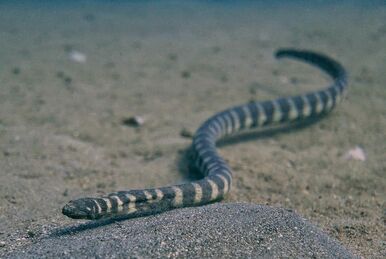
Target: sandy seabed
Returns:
[[61, 130]]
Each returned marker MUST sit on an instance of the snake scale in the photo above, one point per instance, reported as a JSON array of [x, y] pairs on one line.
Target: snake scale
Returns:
[[217, 179]]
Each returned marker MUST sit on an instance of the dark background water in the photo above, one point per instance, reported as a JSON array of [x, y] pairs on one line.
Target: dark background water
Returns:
[[229, 3]]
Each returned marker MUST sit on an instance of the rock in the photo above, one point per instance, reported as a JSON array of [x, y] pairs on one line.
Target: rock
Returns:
[[221, 230]]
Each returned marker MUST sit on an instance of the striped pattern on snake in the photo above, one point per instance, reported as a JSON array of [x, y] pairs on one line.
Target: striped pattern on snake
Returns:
[[217, 178]]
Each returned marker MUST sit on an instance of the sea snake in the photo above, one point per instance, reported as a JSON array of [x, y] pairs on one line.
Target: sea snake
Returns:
[[217, 179]]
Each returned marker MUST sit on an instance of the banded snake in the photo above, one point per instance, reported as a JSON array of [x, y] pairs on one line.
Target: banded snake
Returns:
[[217, 179]]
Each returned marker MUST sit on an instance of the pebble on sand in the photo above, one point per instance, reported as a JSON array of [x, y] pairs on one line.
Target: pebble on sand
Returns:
[[77, 56], [134, 121], [186, 133], [356, 153]]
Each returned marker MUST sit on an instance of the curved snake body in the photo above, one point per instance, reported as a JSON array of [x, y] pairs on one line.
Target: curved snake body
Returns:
[[217, 179]]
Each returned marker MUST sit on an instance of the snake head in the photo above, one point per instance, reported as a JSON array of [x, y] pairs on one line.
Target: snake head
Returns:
[[84, 208]]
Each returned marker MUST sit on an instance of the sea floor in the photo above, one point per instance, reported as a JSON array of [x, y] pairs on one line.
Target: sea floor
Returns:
[[71, 74]]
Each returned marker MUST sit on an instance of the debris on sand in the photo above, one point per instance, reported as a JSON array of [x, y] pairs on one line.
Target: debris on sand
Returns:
[[356, 153], [77, 56], [16, 70], [66, 78], [134, 121], [186, 133], [185, 74]]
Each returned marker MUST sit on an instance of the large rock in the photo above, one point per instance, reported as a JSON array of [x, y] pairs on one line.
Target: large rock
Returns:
[[218, 230]]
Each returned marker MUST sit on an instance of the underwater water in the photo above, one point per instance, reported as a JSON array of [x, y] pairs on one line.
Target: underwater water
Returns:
[[72, 73]]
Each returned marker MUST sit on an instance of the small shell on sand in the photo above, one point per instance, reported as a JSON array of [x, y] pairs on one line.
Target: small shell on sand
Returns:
[[77, 56], [356, 153]]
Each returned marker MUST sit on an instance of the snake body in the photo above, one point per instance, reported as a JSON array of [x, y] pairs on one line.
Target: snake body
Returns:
[[217, 179]]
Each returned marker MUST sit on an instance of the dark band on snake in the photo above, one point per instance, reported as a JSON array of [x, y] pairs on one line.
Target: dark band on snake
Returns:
[[217, 175]]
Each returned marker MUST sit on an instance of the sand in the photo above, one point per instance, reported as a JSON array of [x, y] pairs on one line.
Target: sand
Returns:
[[61, 130]]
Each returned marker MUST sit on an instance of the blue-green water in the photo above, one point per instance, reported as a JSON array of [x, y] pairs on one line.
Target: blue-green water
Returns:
[[71, 71]]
